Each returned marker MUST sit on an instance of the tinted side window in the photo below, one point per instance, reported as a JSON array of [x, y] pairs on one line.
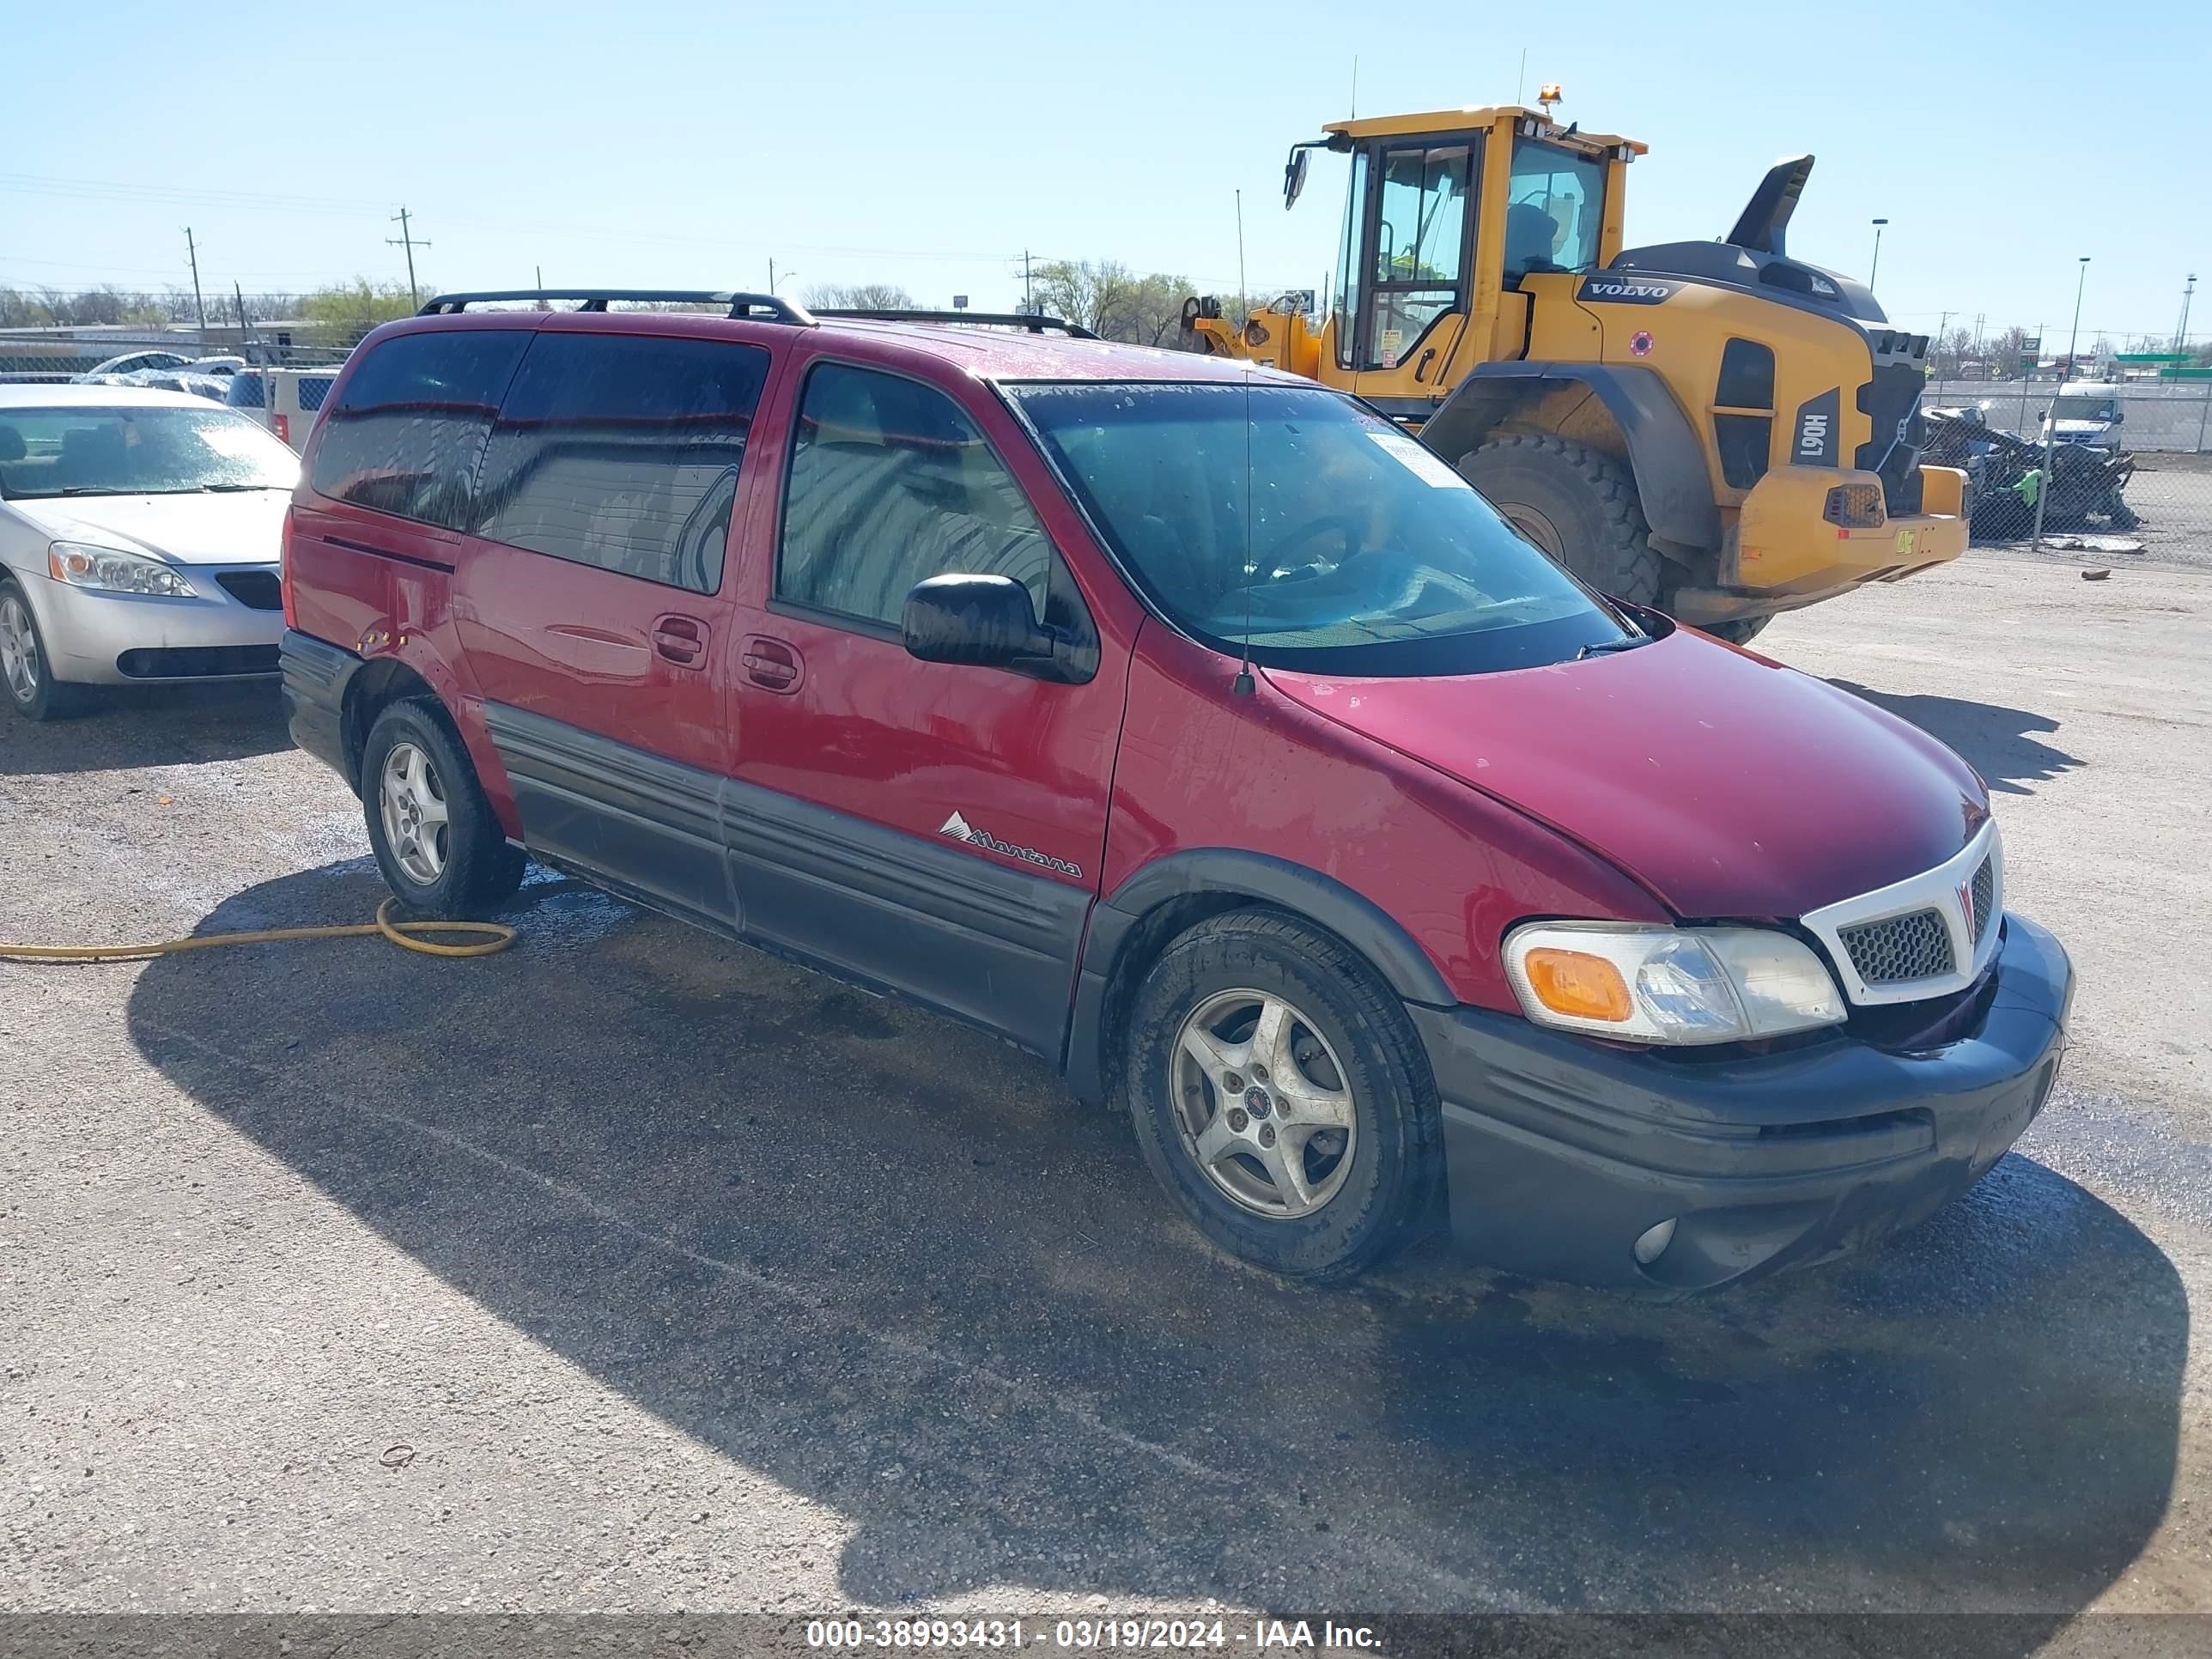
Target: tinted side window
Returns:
[[623, 451], [406, 435], [890, 482]]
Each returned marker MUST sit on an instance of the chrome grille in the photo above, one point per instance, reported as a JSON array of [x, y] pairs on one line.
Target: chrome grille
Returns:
[[1916, 945], [1986, 896]]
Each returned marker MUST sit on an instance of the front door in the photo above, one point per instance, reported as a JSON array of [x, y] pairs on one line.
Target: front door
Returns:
[[590, 607], [935, 828], [1418, 237]]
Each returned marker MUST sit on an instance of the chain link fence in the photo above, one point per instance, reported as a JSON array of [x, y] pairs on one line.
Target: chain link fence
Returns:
[[2091, 458]]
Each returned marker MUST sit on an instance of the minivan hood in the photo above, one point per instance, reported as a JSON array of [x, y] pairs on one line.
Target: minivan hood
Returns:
[[245, 527], [1729, 786]]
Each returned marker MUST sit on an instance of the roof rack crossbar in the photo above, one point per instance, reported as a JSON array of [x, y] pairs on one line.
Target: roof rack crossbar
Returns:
[[740, 304], [992, 318]]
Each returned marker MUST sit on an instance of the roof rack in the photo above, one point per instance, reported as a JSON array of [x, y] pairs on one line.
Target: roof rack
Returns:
[[985, 319], [596, 299]]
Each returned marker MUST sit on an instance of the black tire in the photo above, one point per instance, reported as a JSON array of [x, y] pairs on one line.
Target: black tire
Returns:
[[45, 698], [1576, 503], [476, 870], [1739, 631], [1393, 1160]]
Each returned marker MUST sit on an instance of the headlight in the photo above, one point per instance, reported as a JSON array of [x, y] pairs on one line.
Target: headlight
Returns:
[[1670, 984], [111, 570]]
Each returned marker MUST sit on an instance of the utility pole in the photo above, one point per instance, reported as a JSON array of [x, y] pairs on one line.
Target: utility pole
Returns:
[[1029, 293], [407, 239], [238, 294], [1875, 269], [2181, 334], [192, 254]]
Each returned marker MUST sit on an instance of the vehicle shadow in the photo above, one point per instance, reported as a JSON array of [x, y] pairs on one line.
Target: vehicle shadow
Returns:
[[889, 1265], [127, 726], [2000, 743]]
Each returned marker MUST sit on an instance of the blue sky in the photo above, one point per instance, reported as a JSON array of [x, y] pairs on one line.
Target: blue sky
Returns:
[[651, 144]]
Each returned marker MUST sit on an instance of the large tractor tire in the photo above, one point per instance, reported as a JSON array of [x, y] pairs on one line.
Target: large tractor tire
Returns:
[[1742, 631], [1576, 503]]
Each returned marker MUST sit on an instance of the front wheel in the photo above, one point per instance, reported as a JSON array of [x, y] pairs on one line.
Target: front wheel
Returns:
[[1576, 503], [25, 668], [1281, 1097]]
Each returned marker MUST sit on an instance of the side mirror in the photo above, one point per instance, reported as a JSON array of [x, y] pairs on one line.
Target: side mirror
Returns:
[[985, 621], [2042, 414], [2119, 416], [1294, 178]]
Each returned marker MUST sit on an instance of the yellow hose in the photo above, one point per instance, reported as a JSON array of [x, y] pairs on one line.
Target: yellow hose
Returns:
[[497, 937]]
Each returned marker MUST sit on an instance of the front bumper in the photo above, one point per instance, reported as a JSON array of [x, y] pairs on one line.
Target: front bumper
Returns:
[[1783, 555], [94, 638], [1559, 1153]]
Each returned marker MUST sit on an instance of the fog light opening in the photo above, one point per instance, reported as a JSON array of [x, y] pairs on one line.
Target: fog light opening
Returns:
[[1652, 1243]]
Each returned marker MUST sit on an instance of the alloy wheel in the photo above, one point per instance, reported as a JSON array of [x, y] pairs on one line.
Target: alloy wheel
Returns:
[[411, 800], [19, 650], [1263, 1103]]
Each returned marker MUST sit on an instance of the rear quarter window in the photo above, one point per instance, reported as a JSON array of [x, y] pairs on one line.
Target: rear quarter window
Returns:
[[407, 433]]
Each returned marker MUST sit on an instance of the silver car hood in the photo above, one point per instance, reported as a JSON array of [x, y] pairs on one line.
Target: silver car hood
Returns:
[[244, 528]]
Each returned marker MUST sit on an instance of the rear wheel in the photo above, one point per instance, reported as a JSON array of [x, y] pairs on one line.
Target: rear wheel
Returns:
[[1576, 503], [25, 668], [435, 836], [1281, 1098], [1741, 630]]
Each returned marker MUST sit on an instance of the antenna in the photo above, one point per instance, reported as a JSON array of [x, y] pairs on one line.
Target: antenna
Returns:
[[1243, 293], [1355, 83], [1520, 81], [1244, 685]]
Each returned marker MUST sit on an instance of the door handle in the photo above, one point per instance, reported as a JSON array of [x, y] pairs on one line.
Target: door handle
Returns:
[[680, 639], [1421, 370], [772, 663]]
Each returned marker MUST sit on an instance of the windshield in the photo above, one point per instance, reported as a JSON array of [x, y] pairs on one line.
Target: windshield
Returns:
[[2082, 407], [1554, 204], [1290, 516], [151, 450]]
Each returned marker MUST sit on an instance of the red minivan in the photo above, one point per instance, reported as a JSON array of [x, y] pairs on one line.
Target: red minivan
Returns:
[[1192, 727]]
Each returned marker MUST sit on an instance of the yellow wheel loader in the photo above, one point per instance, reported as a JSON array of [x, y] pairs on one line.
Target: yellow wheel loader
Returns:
[[1713, 428]]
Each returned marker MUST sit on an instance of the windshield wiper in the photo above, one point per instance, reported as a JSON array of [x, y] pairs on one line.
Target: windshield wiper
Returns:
[[1607, 648], [226, 489]]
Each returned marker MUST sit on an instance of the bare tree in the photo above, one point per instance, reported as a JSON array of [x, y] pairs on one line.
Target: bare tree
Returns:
[[858, 297], [1111, 300]]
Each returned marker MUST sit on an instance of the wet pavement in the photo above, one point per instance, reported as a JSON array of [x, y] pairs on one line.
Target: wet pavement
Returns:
[[631, 1269]]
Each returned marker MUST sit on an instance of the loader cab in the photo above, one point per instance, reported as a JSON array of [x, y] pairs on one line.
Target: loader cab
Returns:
[[1447, 216]]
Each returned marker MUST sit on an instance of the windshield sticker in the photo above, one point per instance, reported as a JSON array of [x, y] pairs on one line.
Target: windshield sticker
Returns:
[[1424, 464]]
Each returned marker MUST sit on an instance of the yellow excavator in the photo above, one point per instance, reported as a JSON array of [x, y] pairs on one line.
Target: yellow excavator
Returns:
[[1713, 428]]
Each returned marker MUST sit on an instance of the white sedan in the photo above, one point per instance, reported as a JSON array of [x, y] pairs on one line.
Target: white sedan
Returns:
[[140, 540]]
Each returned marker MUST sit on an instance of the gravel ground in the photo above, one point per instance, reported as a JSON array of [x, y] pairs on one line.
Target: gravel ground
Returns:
[[631, 1270]]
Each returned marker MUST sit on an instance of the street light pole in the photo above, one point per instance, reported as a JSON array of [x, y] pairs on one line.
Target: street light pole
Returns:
[[2181, 334], [1875, 270], [2050, 415], [2075, 337]]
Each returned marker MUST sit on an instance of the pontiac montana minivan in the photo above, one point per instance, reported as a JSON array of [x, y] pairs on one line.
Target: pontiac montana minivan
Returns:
[[1190, 726]]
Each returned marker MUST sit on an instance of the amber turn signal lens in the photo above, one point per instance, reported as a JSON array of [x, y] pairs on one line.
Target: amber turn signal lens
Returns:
[[1576, 983]]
